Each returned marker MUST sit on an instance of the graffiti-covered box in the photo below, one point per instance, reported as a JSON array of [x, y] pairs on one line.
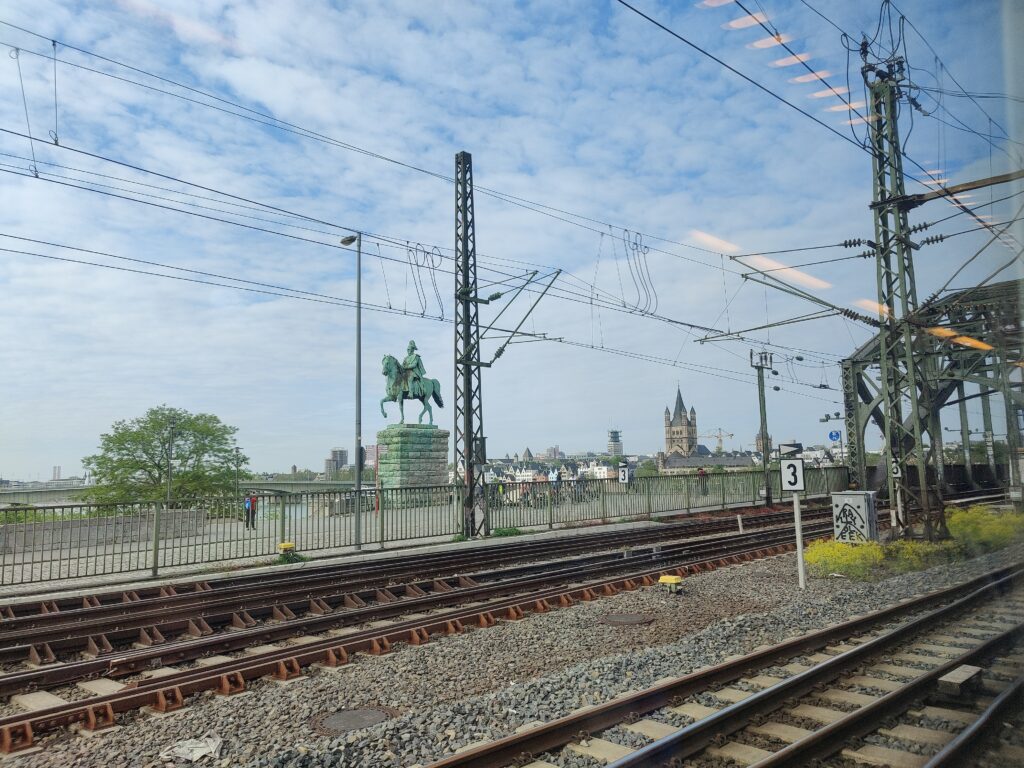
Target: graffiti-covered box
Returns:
[[854, 517]]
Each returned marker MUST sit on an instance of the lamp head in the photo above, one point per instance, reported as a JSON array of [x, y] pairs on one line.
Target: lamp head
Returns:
[[348, 240]]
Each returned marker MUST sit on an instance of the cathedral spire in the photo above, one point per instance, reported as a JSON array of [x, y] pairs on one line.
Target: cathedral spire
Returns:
[[680, 410]]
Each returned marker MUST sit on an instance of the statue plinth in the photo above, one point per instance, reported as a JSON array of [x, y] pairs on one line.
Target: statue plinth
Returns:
[[415, 455]]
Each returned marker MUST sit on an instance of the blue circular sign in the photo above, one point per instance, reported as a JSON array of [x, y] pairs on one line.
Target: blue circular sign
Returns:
[[834, 435]]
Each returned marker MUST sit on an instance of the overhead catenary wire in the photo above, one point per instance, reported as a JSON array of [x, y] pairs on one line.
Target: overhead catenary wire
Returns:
[[564, 294], [392, 241], [572, 214], [268, 120], [289, 293], [934, 179], [387, 243]]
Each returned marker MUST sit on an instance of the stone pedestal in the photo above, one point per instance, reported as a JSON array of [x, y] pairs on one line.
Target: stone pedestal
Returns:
[[416, 455]]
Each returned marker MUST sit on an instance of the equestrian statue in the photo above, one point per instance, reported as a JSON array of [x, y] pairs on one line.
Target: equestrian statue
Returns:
[[406, 381]]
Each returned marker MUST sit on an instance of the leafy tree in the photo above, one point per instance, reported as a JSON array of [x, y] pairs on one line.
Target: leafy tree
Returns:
[[131, 464], [647, 469]]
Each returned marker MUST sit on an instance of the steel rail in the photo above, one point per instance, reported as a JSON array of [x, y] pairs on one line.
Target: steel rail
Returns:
[[217, 609], [825, 741], [698, 735], [122, 663], [18, 617], [168, 693], [557, 733], [21, 616], [955, 753]]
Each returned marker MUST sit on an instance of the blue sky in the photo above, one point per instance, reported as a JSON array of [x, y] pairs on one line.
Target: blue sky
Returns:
[[581, 106]]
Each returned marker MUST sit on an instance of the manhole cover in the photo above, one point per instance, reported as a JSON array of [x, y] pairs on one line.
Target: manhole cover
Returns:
[[625, 619], [350, 720]]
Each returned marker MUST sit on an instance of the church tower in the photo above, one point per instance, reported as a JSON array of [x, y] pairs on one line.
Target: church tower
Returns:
[[680, 428]]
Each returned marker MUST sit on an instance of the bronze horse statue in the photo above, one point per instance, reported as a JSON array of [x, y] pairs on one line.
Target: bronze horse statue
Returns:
[[398, 391]]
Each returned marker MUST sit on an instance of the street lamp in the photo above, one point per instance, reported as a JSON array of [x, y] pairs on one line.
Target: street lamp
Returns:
[[357, 238], [238, 460]]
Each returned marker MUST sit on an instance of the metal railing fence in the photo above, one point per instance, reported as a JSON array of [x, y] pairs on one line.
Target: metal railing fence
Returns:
[[77, 539], [532, 504]]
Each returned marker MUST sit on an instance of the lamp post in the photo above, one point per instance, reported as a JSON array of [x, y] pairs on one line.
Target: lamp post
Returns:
[[760, 361], [238, 460], [357, 238]]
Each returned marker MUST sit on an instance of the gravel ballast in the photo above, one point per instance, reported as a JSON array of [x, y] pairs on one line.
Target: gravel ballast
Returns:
[[486, 683]]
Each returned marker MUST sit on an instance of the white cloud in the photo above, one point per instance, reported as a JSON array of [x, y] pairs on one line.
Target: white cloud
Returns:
[[577, 106]]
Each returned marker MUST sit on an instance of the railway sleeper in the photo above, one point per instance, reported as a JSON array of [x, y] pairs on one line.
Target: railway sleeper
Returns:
[[287, 669], [99, 717], [39, 655], [170, 698], [282, 613], [15, 738], [149, 636], [230, 683], [97, 645], [198, 627]]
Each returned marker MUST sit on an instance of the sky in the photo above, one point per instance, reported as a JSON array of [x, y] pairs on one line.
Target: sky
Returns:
[[243, 139]]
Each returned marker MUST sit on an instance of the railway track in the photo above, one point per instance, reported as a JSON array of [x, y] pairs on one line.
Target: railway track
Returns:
[[331, 638], [120, 644], [96, 629], [840, 692], [28, 613]]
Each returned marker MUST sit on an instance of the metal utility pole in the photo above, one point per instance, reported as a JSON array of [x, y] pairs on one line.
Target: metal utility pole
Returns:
[[1012, 426], [167, 505], [760, 361], [965, 433], [238, 461], [903, 376], [988, 433], [357, 238], [469, 432]]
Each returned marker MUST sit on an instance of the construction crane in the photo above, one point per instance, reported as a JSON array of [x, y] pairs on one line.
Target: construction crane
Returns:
[[718, 433]]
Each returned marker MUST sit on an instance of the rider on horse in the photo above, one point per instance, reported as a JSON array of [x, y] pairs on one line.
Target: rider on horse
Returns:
[[414, 370]]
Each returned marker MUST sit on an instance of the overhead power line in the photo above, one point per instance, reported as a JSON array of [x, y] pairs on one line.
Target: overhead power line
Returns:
[[250, 286], [268, 120]]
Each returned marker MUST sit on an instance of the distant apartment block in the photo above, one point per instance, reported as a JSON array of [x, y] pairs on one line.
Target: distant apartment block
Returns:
[[337, 461], [615, 442]]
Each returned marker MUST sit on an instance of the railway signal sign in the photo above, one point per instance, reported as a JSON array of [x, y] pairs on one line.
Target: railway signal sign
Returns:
[[623, 473], [895, 470], [789, 449], [792, 476], [792, 471]]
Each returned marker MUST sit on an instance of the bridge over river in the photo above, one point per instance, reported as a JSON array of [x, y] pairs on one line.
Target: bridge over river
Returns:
[[67, 494]]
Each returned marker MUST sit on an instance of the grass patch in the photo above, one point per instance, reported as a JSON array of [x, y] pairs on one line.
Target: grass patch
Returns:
[[857, 561], [979, 530], [287, 558], [460, 537], [506, 532], [975, 531]]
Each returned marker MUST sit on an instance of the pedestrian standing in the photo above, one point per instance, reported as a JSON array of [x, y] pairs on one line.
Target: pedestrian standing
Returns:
[[250, 512]]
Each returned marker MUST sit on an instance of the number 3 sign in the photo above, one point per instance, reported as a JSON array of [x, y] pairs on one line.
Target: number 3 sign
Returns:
[[792, 471]]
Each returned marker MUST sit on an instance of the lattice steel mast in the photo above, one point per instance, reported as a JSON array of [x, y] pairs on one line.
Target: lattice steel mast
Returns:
[[469, 418], [903, 376]]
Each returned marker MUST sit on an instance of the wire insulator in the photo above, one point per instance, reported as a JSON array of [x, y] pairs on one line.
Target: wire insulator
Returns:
[[933, 239], [855, 243], [920, 227]]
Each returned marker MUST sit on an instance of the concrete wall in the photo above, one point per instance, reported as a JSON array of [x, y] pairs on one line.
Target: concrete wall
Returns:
[[99, 531]]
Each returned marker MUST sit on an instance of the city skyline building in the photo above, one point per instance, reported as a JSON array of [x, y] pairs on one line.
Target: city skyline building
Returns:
[[337, 461]]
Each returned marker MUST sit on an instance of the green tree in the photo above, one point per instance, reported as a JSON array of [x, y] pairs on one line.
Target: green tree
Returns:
[[131, 464], [647, 469]]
